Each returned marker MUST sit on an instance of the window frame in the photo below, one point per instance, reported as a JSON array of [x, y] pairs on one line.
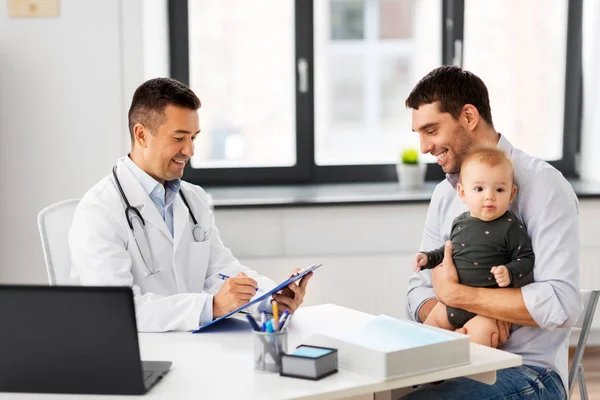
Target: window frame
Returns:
[[305, 171]]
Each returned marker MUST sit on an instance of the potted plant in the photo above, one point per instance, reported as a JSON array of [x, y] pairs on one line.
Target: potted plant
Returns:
[[411, 173]]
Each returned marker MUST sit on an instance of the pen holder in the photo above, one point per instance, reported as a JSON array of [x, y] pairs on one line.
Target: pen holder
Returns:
[[268, 348]]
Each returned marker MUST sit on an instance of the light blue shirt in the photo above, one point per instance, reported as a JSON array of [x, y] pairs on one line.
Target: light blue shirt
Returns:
[[162, 196], [549, 209]]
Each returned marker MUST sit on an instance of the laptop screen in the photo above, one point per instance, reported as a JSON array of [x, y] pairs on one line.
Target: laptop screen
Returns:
[[63, 339]]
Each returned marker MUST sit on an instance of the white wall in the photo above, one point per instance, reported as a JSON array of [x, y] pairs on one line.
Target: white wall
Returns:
[[61, 118], [65, 86]]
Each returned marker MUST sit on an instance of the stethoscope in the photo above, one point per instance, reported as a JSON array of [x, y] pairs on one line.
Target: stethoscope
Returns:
[[131, 213]]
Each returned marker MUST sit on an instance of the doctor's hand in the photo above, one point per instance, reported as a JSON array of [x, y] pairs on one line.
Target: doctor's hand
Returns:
[[292, 296], [235, 292]]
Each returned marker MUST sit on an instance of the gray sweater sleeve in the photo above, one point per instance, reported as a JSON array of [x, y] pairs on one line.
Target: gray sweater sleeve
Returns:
[[521, 254], [434, 258]]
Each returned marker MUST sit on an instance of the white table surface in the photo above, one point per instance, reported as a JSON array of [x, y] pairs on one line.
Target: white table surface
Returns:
[[219, 364]]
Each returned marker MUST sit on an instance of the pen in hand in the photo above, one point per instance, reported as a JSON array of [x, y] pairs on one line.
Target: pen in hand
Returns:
[[223, 277]]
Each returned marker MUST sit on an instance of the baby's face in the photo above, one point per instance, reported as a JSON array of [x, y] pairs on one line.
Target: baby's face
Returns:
[[487, 191]]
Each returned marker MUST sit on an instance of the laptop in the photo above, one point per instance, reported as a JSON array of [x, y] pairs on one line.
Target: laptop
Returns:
[[72, 339]]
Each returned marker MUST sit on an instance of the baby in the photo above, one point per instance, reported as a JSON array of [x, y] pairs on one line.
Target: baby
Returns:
[[490, 246]]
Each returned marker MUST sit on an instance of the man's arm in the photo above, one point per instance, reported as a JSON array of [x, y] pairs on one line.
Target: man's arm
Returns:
[[503, 304], [420, 296], [522, 256], [96, 229], [550, 211]]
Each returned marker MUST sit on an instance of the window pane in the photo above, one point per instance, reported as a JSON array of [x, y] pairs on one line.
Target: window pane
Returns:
[[242, 69], [394, 88], [520, 53], [361, 83], [396, 21], [348, 91], [347, 19]]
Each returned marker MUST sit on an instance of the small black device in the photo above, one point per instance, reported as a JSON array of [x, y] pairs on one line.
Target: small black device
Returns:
[[309, 362], [72, 339]]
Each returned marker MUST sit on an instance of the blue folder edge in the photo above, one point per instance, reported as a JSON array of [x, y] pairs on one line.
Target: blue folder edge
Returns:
[[276, 289]]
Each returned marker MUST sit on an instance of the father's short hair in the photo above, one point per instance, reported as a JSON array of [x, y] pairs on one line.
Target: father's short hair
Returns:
[[453, 87], [153, 96], [489, 155]]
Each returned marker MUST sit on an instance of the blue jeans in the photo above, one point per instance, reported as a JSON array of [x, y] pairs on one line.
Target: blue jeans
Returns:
[[524, 382]]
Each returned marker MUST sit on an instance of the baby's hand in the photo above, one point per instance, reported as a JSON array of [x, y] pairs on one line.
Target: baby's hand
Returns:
[[420, 261], [501, 274]]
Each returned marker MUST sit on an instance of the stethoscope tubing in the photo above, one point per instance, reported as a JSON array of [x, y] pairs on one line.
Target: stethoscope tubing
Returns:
[[129, 209]]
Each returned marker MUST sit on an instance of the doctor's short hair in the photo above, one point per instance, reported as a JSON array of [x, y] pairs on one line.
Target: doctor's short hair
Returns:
[[453, 87], [153, 96], [489, 155]]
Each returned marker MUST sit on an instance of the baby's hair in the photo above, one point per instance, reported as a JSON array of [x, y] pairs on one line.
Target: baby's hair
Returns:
[[489, 155]]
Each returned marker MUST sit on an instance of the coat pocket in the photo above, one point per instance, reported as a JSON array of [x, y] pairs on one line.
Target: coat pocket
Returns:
[[198, 257]]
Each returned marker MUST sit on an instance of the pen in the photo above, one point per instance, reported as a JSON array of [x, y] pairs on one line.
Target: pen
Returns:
[[275, 316], [283, 317], [269, 327], [253, 323], [223, 277], [286, 322], [263, 321]]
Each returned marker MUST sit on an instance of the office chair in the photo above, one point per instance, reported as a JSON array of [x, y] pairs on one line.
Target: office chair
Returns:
[[54, 223], [590, 300]]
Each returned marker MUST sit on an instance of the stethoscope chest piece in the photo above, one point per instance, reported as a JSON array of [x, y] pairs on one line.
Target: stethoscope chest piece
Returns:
[[199, 233]]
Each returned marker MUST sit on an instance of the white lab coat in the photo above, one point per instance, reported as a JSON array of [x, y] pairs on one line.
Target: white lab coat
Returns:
[[104, 253]]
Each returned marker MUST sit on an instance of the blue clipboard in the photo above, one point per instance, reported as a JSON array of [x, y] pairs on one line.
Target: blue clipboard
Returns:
[[276, 289]]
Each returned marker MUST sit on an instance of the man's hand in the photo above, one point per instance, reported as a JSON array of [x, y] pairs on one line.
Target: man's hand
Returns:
[[235, 292], [420, 261], [445, 278], [501, 275], [292, 296], [503, 333]]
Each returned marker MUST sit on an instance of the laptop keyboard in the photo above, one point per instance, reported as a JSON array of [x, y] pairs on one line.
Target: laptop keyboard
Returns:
[[149, 376]]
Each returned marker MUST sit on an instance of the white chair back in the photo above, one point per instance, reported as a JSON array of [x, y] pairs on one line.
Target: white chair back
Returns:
[[586, 297], [54, 223]]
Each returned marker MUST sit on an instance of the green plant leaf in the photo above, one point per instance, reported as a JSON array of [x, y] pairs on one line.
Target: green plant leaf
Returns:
[[410, 156]]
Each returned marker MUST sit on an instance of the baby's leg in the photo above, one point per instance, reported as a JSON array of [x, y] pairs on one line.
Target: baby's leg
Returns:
[[480, 329], [438, 317]]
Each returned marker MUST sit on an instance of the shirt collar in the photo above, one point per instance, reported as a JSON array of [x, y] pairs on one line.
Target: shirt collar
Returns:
[[503, 144], [149, 183]]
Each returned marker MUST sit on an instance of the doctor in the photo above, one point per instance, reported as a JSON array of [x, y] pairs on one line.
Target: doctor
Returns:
[[142, 226]]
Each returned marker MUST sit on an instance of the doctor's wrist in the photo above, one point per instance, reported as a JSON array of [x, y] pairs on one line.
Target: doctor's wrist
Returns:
[[217, 311]]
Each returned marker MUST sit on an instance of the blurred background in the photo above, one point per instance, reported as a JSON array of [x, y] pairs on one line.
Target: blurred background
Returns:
[[302, 97]]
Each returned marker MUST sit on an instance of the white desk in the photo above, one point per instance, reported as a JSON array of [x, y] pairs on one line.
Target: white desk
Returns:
[[219, 365]]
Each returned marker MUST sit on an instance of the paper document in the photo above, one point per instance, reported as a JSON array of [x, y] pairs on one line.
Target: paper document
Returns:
[[387, 334]]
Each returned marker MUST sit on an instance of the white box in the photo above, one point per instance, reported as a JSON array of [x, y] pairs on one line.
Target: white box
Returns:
[[387, 348]]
